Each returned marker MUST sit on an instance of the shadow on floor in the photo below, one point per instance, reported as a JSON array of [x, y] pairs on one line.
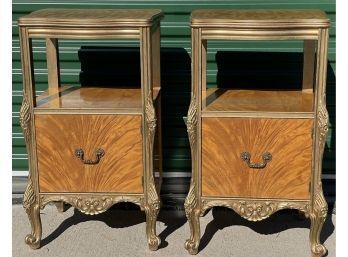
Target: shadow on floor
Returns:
[[278, 222], [115, 218], [223, 218]]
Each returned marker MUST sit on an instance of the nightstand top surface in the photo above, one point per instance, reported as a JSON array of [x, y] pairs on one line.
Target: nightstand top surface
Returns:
[[91, 17], [259, 18]]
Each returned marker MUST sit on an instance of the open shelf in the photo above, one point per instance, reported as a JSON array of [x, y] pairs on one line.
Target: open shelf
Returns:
[[73, 97], [237, 100]]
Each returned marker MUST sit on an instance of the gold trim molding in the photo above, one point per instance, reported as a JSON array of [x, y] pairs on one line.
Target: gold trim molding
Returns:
[[90, 204], [255, 210]]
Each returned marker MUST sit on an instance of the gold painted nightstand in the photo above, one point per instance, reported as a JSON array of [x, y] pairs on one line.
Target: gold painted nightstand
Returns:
[[92, 147], [258, 151]]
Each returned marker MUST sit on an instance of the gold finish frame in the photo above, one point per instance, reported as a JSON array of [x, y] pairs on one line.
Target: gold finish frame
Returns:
[[209, 24], [141, 24]]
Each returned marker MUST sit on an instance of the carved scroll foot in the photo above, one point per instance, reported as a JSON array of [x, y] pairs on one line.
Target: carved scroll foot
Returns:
[[318, 217], [60, 206], [34, 238], [191, 244], [152, 211]]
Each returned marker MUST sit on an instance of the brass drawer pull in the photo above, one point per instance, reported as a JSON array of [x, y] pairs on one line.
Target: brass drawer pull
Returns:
[[246, 156], [98, 154]]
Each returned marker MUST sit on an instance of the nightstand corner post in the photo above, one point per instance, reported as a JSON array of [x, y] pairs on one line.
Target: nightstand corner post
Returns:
[[31, 195], [192, 201], [152, 201], [319, 206], [52, 57]]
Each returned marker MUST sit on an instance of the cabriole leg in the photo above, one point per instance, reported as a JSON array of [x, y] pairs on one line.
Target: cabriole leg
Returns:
[[34, 238], [152, 211], [152, 203], [318, 217], [192, 243], [192, 213]]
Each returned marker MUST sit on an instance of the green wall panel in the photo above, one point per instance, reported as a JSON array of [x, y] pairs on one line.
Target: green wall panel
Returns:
[[175, 54]]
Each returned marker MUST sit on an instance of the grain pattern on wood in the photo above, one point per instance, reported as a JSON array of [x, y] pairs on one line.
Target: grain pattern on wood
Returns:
[[92, 97], [220, 99], [259, 18], [119, 170], [90, 17], [286, 176]]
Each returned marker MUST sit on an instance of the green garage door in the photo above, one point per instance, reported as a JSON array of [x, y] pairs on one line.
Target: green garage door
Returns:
[[176, 76]]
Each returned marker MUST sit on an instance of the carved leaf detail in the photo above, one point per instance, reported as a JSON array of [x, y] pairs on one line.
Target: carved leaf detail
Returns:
[[191, 200], [152, 196], [320, 205], [150, 114], [24, 119], [92, 205], [323, 120], [255, 211], [192, 121], [29, 195]]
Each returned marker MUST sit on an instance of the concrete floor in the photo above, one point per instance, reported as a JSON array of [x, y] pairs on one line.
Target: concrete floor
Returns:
[[122, 233]]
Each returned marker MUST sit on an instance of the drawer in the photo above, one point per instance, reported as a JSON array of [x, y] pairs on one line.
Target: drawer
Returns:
[[287, 175], [58, 137]]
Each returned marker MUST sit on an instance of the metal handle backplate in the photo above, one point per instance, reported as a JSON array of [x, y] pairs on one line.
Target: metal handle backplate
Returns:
[[99, 153], [246, 156]]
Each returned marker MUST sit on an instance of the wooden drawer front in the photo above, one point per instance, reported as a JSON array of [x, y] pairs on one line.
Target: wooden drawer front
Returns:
[[287, 175], [119, 170]]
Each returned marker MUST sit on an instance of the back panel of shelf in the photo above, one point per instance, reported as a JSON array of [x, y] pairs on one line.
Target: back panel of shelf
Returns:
[[107, 75], [256, 81]]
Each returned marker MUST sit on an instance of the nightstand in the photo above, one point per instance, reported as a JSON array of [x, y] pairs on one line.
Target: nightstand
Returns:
[[258, 150], [92, 147]]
